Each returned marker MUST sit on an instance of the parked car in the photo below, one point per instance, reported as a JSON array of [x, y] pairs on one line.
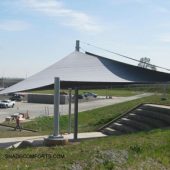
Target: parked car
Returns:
[[7, 103], [11, 94], [16, 97], [80, 96], [89, 94]]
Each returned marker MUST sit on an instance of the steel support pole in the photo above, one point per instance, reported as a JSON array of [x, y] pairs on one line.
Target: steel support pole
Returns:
[[56, 138], [165, 91], [76, 114], [69, 113], [56, 106], [77, 45]]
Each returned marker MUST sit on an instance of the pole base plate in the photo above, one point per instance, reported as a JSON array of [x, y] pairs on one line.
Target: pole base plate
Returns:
[[55, 140]]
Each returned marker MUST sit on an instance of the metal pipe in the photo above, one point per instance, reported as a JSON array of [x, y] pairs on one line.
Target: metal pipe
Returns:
[[76, 114], [56, 105], [164, 91], [77, 45], [69, 113]]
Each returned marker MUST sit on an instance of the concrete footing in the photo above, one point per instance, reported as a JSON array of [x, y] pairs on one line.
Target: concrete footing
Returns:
[[55, 140]]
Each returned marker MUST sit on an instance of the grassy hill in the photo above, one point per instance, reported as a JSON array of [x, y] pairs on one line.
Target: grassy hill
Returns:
[[99, 92], [118, 91], [93, 119], [144, 150], [88, 120]]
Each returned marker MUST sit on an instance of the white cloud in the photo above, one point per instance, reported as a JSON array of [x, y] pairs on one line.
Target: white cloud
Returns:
[[165, 38], [13, 25], [162, 10], [73, 18], [130, 1]]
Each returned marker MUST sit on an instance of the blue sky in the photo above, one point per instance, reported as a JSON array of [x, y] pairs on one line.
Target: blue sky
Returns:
[[36, 33]]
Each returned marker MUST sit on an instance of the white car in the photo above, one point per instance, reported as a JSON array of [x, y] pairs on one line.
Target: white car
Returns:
[[7, 103]]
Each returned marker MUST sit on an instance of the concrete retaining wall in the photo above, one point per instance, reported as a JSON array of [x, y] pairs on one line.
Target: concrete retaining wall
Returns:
[[46, 98]]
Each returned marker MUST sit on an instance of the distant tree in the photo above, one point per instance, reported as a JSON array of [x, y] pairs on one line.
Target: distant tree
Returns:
[[145, 63], [153, 67]]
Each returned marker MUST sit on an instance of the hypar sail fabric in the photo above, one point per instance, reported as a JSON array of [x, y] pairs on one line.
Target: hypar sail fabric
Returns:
[[85, 68]]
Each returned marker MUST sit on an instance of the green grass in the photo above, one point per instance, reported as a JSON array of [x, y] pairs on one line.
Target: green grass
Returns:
[[93, 119], [90, 120], [144, 150], [147, 150], [8, 133], [118, 91], [155, 88], [101, 92]]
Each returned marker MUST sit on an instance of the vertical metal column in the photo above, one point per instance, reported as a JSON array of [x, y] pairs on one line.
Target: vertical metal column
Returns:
[[77, 45], [76, 114], [56, 105], [69, 113], [106, 92], [3, 82], [164, 97]]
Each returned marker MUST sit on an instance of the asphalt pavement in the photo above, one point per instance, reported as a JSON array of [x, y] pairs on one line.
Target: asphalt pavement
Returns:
[[36, 110]]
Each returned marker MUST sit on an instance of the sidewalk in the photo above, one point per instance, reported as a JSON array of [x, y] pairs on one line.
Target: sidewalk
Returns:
[[6, 142]]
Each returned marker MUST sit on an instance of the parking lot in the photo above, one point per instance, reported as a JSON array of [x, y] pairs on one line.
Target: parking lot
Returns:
[[36, 110]]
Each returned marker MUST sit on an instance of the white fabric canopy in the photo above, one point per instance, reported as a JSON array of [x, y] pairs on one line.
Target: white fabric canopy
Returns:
[[89, 68]]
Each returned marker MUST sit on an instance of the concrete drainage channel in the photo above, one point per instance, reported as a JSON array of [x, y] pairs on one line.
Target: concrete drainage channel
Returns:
[[27, 143]]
